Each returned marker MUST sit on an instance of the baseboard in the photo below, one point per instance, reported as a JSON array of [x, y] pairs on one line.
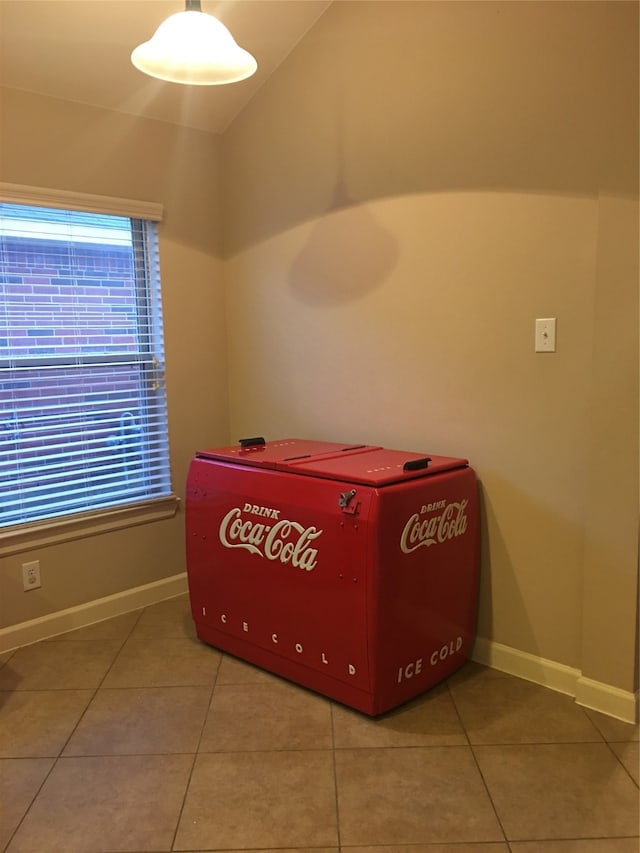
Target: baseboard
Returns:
[[596, 695], [82, 615], [613, 701]]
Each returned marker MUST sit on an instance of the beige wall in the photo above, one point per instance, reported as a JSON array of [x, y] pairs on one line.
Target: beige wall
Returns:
[[610, 598], [50, 143], [415, 185]]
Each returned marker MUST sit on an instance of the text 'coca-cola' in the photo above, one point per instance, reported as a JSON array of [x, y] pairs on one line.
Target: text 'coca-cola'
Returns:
[[286, 541], [423, 529]]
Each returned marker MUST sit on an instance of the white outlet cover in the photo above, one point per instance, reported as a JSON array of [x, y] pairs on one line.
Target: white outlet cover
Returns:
[[31, 575], [545, 340]]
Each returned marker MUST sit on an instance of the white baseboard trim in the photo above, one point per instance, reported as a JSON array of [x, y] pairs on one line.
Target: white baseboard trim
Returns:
[[597, 695], [25, 633], [550, 674], [613, 701]]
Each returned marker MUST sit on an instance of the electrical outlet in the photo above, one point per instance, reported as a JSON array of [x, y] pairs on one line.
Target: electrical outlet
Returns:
[[31, 575]]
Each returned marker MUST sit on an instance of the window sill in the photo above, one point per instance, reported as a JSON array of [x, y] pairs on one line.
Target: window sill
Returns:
[[30, 537]]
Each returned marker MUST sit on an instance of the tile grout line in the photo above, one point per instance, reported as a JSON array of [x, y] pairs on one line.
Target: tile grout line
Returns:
[[477, 764], [57, 757], [99, 686], [619, 760], [196, 754]]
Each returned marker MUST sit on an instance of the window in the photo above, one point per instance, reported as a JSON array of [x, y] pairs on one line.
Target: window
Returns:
[[83, 422]]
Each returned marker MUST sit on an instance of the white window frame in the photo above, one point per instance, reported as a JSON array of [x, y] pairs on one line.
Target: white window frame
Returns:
[[38, 534]]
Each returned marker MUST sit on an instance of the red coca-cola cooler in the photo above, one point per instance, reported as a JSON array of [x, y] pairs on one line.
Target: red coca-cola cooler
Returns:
[[349, 569]]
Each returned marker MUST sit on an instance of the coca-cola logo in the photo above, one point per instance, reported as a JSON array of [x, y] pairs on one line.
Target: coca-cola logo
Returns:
[[286, 541], [424, 528]]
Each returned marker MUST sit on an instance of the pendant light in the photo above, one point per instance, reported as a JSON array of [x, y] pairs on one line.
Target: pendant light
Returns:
[[194, 48]]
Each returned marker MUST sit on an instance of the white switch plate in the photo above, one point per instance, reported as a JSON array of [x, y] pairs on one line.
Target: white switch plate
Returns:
[[546, 334]]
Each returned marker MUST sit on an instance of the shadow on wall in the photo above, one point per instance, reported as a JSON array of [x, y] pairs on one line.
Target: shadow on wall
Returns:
[[347, 255], [457, 99], [498, 578], [484, 625], [541, 553]]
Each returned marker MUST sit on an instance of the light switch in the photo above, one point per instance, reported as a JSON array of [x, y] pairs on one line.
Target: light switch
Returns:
[[546, 334]]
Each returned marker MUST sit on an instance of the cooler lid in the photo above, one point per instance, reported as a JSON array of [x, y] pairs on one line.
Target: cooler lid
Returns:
[[378, 466], [281, 454]]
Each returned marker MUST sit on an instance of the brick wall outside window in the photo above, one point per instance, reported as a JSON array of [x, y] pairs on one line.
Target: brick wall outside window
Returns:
[[88, 307]]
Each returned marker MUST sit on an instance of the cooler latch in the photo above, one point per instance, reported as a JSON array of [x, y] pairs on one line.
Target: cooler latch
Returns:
[[416, 464], [347, 504], [252, 442]]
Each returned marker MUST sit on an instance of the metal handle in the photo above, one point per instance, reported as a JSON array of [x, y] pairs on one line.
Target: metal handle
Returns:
[[416, 464], [251, 442]]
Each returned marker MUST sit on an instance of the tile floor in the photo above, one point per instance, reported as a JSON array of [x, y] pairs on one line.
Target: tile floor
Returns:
[[131, 736]]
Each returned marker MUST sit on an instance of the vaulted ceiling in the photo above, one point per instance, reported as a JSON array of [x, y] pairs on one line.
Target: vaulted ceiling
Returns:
[[78, 50]]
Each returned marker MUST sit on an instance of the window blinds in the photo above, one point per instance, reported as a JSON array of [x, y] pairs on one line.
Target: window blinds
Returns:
[[83, 421]]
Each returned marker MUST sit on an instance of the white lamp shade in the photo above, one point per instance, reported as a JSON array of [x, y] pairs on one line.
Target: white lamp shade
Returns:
[[194, 48]]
